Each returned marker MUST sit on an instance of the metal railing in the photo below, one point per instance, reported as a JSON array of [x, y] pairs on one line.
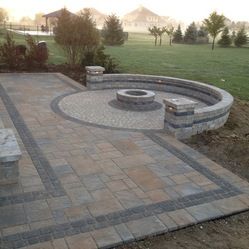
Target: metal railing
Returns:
[[27, 29]]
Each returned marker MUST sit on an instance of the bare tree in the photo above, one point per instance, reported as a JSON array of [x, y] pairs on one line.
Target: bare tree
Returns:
[[170, 33], [154, 31], [160, 32]]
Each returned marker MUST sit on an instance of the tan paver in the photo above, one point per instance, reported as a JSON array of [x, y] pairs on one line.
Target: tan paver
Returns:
[[81, 241], [102, 185]]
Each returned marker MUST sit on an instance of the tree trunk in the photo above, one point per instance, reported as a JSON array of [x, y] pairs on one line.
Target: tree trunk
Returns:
[[155, 40], [213, 43], [170, 40], [160, 40]]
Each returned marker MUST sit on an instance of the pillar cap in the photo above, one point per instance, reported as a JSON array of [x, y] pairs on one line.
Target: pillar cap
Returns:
[[95, 69], [180, 103]]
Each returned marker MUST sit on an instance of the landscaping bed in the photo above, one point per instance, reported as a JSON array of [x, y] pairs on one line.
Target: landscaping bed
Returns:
[[77, 73]]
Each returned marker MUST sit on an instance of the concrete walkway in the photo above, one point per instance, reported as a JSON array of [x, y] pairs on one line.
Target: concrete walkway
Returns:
[[85, 186]]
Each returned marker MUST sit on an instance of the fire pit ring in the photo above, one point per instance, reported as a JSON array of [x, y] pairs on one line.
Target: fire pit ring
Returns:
[[135, 96]]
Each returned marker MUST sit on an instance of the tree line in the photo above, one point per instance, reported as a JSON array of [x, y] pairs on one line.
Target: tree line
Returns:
[[211, 26]]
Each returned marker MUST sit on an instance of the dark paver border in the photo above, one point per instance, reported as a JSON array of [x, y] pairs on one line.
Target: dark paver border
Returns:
[[54, 188], [222, 183], [42, 165]]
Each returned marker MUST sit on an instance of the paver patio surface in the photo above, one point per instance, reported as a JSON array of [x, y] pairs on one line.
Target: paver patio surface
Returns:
[[86, 186]]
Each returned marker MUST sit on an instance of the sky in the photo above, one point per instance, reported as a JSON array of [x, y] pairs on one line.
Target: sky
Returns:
[[183, 10]]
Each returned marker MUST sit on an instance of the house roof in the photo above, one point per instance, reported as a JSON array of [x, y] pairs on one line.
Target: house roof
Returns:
[[57, 13], [140, 15]]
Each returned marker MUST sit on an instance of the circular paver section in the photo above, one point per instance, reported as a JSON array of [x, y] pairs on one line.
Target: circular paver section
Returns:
[[93, 107]]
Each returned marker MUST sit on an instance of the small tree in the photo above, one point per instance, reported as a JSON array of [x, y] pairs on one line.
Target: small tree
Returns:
[[202, 35], [191, 34], [160, 32], [241, 38], [76, 34], [37, 54], [8, 55], [170, 33], [214, 25], [3, 15], [112, 31], [154, 31], [225, 40], [98, 57], [177, 36], [233, 36]]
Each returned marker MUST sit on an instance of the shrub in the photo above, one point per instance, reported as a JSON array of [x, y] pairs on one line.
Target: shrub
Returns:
[[8, 53], [37, 54], [98, 57], [76, 35], [241, 38]]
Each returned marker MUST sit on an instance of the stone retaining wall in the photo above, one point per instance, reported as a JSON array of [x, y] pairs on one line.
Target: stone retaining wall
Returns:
[[207, 118]]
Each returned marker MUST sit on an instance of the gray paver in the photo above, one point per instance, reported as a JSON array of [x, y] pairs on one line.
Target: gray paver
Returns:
[[37, 211], [204, 212], [124, 233], [146, 227], [104, 181], [106, 237], [167, 221], [182, 218], [12, 215]]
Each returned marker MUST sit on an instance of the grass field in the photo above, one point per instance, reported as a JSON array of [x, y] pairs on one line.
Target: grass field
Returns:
[[227, 68]]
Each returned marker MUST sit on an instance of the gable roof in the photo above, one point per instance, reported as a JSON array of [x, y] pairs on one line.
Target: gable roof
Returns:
[[140, 14], [57, 13]]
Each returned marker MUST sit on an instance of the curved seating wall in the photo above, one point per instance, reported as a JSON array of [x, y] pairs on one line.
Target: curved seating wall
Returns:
[[211, 117]]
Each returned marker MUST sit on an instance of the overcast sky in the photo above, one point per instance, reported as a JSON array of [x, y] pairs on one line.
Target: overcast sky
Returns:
[[185, 10]]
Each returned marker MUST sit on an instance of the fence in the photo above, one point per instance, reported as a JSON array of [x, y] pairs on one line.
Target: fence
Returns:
[[28, 29]]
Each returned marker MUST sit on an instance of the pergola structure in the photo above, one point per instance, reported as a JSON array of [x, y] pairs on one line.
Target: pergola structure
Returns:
[[56, 14]]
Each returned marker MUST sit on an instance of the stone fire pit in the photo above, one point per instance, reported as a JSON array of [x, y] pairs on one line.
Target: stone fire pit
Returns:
[[136, 96]]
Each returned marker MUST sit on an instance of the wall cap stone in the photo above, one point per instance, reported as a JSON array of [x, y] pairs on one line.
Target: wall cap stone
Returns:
[[180, 103], [9, 148], [95, 69]]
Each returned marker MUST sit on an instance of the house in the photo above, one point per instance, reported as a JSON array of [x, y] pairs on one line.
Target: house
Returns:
[[140, 19]]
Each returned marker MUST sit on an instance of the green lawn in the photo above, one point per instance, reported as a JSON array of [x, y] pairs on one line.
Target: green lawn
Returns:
[[227, 68]]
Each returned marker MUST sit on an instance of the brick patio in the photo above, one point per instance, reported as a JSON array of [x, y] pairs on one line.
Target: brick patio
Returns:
[[87, 186]]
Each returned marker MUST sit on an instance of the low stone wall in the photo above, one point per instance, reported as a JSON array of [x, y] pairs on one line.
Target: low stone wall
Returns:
[[10, 155], [208, 118]]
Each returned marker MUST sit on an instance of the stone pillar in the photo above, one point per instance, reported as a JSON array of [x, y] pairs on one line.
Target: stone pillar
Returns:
[[9, 156], [94, 75], [179, 117]]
